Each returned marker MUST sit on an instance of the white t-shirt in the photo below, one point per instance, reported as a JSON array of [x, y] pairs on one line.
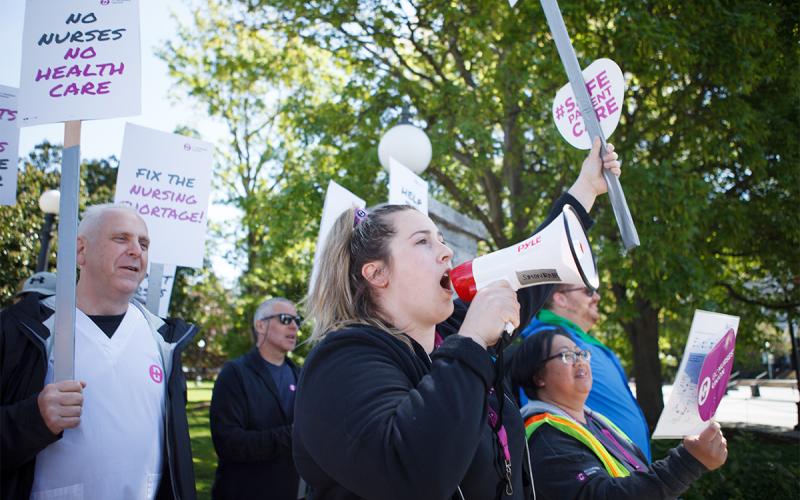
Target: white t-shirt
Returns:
[[116, 451]]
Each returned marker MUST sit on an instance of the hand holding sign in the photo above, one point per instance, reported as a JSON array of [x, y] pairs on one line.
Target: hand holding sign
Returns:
[[710, 448]]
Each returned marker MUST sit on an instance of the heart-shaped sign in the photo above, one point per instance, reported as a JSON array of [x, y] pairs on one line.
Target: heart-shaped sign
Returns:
[[606, 87], [714, 375]]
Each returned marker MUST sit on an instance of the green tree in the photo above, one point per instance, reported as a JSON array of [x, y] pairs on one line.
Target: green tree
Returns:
[[245, 79], [23, 221], [708, 134]]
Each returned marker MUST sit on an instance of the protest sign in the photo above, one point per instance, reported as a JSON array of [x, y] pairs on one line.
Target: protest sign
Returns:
[[702, 376], [165, 294], [81, 59], [606, 86], [406, 187], [337, 200], [166, 178], [9, 145]]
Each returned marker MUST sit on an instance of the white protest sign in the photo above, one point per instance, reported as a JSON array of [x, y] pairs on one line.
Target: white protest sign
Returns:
[[166, 178], [606, 86], [167, 280], [681, 417], [9, 145], [406, 187], [81, 60], [337, 200]]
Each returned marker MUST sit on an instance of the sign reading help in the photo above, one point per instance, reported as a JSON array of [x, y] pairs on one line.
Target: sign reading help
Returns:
[[166, 178], [714, 375], [606, 86], [406, 187], [9, 145], [81, 59]]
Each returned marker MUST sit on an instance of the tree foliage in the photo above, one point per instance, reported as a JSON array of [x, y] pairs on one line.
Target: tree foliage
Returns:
[[708, 137]]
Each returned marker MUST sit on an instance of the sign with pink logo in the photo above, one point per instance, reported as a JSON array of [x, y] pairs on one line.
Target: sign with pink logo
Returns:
[[606, 86], [702, 376], [714, 375]]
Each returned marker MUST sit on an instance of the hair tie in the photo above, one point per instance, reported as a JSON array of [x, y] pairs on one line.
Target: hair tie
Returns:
[[360, 216]]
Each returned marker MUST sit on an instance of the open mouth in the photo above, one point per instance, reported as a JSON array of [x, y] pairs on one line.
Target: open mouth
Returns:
[[445, 281], [131, 268]]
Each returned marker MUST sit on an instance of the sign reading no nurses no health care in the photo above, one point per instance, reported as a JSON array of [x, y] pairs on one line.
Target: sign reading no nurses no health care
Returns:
[[81, 59]]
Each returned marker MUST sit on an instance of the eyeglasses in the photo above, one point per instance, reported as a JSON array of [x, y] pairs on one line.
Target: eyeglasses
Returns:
[[570, 357], [285, 319], [589, 291]]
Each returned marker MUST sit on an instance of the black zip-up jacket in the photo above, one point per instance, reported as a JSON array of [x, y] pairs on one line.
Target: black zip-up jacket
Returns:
[[251, 433], [23, 433], [376, 419], [566, 469]]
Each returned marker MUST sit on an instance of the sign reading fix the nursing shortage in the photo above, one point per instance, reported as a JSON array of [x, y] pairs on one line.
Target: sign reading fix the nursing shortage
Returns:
[[81, 60], [166, 178]]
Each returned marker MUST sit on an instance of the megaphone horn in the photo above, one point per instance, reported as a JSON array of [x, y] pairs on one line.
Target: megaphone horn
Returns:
[[559, 253]]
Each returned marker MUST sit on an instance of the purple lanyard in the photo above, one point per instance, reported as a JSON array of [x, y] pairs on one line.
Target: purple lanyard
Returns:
[[607, 433], [503, 438]]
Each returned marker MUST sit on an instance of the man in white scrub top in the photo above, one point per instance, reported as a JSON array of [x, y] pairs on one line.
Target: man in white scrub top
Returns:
[[119, 430]]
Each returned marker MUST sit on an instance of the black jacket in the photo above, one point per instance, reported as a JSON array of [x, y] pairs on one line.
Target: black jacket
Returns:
[[566, 469], [375, 419], [251, 433], [23, 433]]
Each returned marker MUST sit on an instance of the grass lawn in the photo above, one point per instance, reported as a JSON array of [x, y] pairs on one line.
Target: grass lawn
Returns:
[[205, 460]]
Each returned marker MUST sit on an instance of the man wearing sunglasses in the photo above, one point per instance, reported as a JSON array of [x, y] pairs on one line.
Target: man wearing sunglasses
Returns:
[[574, 310], [252, 410]]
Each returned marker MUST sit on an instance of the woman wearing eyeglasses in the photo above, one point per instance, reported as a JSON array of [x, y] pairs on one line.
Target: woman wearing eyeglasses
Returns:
[[395, 401], [578, 453]]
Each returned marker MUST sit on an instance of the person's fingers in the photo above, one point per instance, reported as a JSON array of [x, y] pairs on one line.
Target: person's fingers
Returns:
[[609, 147], [69, 422], [69, 386], [708, 432], [595, 147], [70, 411], [70, 399]]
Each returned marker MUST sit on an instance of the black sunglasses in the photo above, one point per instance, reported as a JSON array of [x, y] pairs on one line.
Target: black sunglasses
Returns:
[[285, 319], [589, 291]]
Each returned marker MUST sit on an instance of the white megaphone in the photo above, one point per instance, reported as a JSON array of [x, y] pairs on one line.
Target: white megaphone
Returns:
[[559, 253]]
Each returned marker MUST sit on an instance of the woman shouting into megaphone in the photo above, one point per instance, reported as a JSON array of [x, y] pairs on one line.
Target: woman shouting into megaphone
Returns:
[[396, 400]]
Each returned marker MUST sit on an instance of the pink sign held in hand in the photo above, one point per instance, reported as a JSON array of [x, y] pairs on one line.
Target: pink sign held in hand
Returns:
[[714, 375]]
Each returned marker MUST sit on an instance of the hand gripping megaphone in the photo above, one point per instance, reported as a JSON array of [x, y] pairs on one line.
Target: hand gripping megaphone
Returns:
[[559, 253]]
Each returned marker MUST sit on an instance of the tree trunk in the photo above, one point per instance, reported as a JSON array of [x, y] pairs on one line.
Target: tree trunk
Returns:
[[643, 334]]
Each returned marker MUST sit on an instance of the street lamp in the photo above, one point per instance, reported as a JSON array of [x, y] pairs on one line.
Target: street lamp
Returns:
[[49, 203], [407, 144]]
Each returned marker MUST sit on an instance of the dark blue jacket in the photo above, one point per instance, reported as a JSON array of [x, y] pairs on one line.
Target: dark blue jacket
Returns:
[[251, 433]]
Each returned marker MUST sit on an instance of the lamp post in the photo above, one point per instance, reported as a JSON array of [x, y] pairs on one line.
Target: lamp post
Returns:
[[48, 203], [407, 144]]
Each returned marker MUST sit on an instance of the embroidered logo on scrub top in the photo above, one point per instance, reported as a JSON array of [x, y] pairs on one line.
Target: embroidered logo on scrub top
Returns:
[[156, 373]]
